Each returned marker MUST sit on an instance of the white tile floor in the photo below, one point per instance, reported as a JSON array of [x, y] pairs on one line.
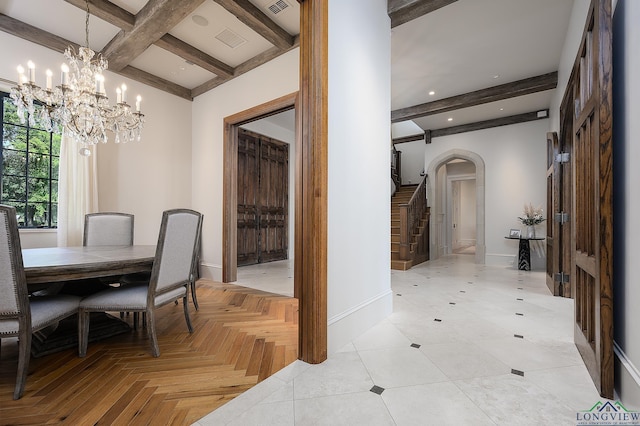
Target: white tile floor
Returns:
[[465, 319]]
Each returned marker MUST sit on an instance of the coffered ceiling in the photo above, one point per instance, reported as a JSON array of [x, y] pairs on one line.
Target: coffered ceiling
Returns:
[[184, 47], [454, 62]]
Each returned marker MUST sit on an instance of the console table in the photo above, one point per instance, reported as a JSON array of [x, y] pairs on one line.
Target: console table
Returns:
[[524, 251]]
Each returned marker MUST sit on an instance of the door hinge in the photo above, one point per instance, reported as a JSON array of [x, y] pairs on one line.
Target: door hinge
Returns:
[[561, 277], [563, 157], [561, 217]]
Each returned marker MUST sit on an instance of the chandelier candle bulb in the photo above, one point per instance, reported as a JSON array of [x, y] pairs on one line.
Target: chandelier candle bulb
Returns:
[[118, 95], [138, 100], [124, 93], [20, 75], [49, 75], [32, 71], [65, 74]]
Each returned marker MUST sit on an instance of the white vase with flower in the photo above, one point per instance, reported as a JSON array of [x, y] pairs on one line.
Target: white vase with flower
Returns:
[[531, 217]]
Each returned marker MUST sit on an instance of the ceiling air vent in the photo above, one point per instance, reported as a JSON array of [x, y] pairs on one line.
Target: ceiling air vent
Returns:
[[230, 38], [277, 6]]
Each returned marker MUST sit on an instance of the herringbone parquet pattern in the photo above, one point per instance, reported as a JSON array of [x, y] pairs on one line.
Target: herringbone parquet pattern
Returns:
[[241, 337]]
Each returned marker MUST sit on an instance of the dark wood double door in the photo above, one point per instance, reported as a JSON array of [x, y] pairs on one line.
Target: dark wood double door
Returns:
[[263, 198], [580, 199]]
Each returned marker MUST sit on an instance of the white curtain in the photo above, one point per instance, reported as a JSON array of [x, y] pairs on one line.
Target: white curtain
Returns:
[[77, 191]]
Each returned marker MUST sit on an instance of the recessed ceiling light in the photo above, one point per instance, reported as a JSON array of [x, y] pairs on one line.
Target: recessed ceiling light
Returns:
[[431, 93], [449, 119], [496, 76], [501, 109], [200, 20]]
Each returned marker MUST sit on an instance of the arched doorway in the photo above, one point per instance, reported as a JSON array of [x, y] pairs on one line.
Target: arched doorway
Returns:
[[436, 180]]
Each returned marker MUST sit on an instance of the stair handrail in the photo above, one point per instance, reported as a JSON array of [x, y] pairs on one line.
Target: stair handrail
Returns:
[[395, 167], [411, 214]]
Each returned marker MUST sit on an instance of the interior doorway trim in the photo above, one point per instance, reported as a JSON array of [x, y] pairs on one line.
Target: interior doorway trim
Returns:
[[230, 177], [435, 203]]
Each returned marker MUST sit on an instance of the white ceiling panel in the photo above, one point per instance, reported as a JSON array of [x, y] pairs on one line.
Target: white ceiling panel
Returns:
[[219, 20], [61, 19], [460, 48], [174, 68]]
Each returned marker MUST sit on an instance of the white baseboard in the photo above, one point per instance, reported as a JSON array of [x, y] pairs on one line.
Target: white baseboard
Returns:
[[501, 260], [346, 326], [211, 271], [627, 379]]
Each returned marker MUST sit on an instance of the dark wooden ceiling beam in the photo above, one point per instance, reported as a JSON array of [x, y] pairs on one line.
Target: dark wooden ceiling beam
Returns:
[[35, 35], [492, 94], [154, 20], [255, 19], [108, 12], [471, 127], [195, 56], [402, 11], [155, 81], [405, 139], [488, 124]]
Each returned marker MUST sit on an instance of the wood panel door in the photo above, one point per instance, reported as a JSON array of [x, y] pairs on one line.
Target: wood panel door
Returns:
[[554, 249], [263, 198], [592, 229]]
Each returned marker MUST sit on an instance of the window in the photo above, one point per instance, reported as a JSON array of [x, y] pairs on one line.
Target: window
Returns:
[[29, 169]]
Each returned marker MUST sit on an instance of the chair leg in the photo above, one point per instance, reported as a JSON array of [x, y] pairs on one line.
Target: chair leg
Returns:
[[151, 331], [193, 294], [185, 303], [83, 332], [136, 316], [24, 354]]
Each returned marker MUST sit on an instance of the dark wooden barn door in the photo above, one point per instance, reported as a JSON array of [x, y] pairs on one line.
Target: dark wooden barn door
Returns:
[[592, 229], [263, 198]]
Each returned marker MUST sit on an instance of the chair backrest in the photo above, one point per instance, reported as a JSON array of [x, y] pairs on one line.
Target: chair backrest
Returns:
[[176, 250], [108, 229], [13, 284]]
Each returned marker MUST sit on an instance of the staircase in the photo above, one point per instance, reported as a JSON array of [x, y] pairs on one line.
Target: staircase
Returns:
[[402, 196]]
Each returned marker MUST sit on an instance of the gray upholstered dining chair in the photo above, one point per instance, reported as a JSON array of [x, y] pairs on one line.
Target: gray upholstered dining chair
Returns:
[[108, 229], [21, 315], [170, 279]]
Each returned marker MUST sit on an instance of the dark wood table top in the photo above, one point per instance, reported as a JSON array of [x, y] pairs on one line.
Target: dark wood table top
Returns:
[[55, 264]]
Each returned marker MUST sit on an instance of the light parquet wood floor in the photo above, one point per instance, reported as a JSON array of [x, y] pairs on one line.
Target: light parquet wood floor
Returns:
[[241, 336]]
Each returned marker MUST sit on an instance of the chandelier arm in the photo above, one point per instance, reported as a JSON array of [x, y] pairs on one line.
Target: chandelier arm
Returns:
[[79, 106]]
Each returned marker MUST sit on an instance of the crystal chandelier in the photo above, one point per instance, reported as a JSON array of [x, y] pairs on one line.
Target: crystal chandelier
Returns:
[[78, 107]]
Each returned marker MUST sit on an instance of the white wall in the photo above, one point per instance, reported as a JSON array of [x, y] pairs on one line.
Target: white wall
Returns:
[[147, 177], [567, 58], [515, 174], [411, 161], [626, 97], [359, 278], [142, 178], [277, 78], [266, 128]]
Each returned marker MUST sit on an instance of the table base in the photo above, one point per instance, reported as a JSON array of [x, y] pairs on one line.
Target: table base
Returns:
[[65, 335]]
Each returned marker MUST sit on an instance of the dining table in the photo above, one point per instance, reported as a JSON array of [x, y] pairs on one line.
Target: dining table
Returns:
[[47, 269]]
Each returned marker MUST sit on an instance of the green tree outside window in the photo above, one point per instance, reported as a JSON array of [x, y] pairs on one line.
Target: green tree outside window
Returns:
[[29, 169]]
